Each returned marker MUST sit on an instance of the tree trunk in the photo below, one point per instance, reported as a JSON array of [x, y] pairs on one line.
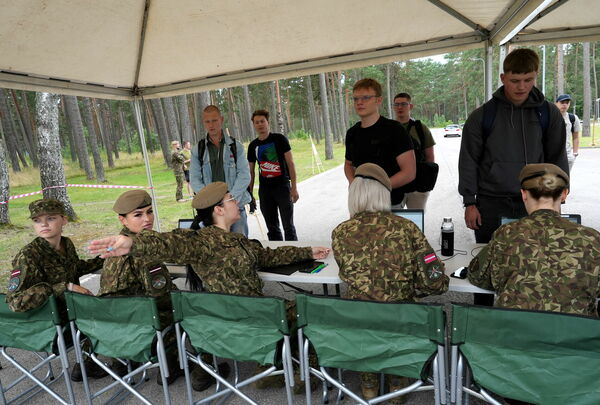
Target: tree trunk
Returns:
[[69, 135], [388, 90], [247, 114], [25, 124], [51, 165], [104, 136], [333, 104], [112, 135], [4, 186], [587, 90], [171, 119], [161, 128], [89, 123], [74, 115], [312, 110], [595, 77], [343, 111], [327, 122], [280, 124], [273, 111], [202, 101], [9, 132], [184, 118], [234, 125], [125, 129], [559, 85]]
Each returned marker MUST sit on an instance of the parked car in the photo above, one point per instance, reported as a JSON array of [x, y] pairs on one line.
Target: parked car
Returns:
[[452, 130]]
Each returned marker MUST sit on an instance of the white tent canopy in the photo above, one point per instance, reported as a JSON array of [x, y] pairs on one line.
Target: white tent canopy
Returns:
[[155, 48]]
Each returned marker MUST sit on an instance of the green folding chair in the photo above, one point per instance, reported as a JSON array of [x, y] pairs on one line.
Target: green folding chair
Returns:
[[125, 328], [234, 327], [39, 331], [539, 357], [403, 339]]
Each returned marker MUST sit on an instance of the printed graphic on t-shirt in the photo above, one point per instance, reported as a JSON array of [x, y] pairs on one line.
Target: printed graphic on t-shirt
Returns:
[[268, 160]]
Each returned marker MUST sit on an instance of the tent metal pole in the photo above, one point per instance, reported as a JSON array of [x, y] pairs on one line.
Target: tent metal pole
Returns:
[[488, 70], [138, 120]]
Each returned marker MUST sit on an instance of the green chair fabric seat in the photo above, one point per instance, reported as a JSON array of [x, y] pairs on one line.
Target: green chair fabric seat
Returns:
[[402, 339], [37, 330], [544, 358], [126, 328], [234, 327]]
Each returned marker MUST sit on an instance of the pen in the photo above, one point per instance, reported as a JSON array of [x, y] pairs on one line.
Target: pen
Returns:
[[319, 268]]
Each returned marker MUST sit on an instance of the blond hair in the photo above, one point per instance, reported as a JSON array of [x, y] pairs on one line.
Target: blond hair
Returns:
[[368, 195]]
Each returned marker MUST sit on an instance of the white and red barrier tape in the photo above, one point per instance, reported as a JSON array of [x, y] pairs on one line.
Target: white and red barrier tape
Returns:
[[13, 197]]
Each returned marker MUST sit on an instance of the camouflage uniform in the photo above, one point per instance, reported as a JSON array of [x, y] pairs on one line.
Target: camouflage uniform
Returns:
[[177, 159], [126, 275], [39, 271], [226, 262], [541, 262], [383, 257]]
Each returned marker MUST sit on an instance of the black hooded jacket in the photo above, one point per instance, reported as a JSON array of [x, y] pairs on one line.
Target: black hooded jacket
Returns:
[[492, 167]]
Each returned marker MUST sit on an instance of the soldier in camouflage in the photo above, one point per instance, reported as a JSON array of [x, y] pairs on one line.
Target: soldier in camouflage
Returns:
[[543, 261], [227, 262], [383, 257], [126, 275], [49, 264], [178, 163]]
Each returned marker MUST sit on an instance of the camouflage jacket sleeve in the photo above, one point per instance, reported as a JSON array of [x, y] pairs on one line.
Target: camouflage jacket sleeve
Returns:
[[27, 287], [89, 266], [282, 255], [480, 268], [177, 158], [430, 277], [178, 246]]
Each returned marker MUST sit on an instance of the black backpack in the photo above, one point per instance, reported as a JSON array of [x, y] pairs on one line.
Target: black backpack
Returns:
[[572, 119], [202, 148], [427, 172], [489, 115]]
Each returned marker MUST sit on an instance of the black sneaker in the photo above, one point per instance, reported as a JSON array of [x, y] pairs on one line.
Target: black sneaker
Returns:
[[93, 371], [173, 375], [201, 380]]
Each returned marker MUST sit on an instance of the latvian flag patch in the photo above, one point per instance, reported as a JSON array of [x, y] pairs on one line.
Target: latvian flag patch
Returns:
[[430, 258], [154, 270], [15, 273]]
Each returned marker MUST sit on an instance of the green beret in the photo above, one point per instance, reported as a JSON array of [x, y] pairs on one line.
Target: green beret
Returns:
[[374, 172], [131, 200], [46, 207], [532, 171], [209, 195]]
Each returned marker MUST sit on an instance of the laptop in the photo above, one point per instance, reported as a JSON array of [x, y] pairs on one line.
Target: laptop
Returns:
[[575, 218], [185, 223], [415, 215]]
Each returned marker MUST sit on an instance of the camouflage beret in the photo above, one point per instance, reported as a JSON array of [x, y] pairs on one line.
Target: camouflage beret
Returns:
[[46, 207], [374, 172], [209, 195], [131, 200], [530, 172]]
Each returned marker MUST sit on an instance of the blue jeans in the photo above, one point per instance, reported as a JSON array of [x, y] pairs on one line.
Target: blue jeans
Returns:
[[241, 226]]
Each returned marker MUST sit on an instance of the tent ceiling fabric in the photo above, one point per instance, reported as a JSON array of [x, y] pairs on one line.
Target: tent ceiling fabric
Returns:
[[86, 47]]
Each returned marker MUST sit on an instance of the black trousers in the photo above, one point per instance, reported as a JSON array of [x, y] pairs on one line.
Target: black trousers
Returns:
[[275, 202], [492, 209]]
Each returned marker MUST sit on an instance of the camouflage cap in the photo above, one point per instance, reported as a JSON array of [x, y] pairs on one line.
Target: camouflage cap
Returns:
[[374, 172], [46, 207], [209, 195], [131, 200], [532, 171]]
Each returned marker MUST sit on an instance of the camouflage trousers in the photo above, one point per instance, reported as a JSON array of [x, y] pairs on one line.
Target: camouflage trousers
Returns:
[[179, 192]]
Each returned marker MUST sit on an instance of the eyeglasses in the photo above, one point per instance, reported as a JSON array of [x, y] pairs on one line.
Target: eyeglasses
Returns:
[[362, 98], [229, 199], [402, 104]]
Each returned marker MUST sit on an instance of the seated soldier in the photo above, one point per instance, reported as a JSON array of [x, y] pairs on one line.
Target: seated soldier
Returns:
[[49, 265], [383, 257], [543, 261], [227, 262]]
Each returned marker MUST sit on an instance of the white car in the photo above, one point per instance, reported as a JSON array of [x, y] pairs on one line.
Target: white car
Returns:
[[452, 130]]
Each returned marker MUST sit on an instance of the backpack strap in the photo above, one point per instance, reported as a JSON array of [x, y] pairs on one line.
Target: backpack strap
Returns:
[[418, 147], [489, 115], [572, 119], [202, 148]]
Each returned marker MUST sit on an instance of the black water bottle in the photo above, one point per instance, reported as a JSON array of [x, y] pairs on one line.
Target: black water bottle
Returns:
[[447, 237]]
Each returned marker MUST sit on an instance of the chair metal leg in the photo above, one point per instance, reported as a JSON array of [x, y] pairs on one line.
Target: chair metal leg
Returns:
[[459, 380], [288, 371], [79, 358], [436, 380], [300, 356], [163, 366], [304, 349], [62, 349], [341, 387], [442, 374], [453, 365], [186, 366]]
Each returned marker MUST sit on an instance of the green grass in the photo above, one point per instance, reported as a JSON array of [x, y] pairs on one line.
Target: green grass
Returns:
[[594, 136], [94, 206]]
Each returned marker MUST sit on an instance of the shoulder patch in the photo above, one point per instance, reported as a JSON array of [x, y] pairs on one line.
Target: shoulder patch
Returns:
[[159, 282], [430, 258], [154, 269], [15, 273], [14, 283], [434, 272]]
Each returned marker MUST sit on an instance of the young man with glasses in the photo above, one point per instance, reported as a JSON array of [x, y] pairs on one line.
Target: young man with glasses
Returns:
[[379, 140], [422, 141]]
